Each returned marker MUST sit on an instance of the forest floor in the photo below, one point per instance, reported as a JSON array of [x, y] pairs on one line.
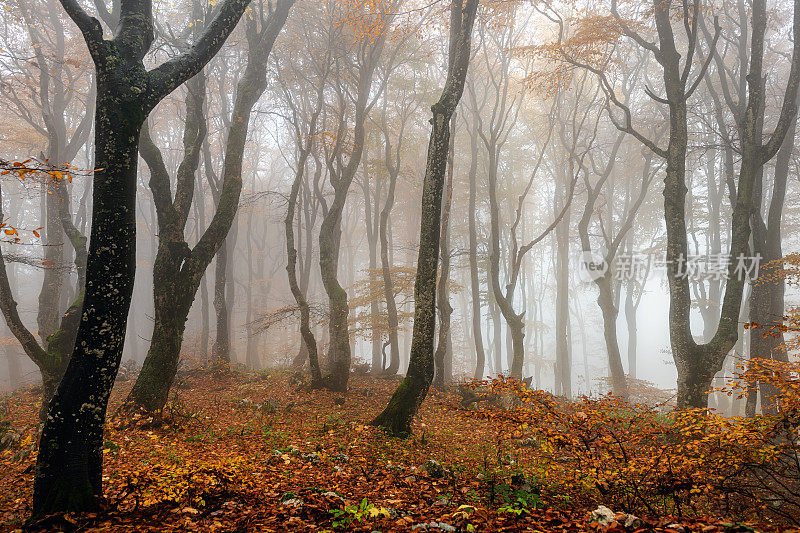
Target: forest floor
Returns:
[[250, 452]]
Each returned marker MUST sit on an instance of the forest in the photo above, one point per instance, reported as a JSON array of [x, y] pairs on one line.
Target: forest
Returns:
[[400, 265]]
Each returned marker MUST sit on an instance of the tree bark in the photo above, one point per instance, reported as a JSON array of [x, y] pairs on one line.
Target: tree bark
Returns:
[[405, 402], [69, 464], [178, 270]]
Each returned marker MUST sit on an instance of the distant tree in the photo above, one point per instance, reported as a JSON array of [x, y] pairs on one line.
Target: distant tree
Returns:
[[51, 359], [697, 363], [406, 104], [305, 144], [368, 24]]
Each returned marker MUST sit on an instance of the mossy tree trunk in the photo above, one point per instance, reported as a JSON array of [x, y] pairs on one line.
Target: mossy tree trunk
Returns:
[[178, 270], [69, 464], [396, 418]]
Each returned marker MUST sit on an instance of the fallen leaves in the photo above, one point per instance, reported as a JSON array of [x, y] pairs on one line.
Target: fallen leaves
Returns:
[[232, 469]]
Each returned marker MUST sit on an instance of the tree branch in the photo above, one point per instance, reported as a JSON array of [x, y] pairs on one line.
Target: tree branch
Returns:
[[169, 75], [90, 27]]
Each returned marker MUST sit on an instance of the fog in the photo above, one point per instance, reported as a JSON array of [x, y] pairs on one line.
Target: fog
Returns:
[[560, 147]]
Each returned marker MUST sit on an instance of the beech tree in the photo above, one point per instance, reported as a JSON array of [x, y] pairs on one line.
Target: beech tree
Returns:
[[178, 269], [406, 105], [69, 464], [698, 362], [54, 85], [342, 159], [731, 91], [305, 129], [397, 416]]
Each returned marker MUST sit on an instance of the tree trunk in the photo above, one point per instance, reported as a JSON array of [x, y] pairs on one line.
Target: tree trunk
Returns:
[[372, 222], [405, 402], [330, 231], [339, 351], [630, 320], [388, 289], [563, 367], [69, 464], [698, 363], [221, 349], [309, 342], [178, 270], [441, 377], [610, 312], [475, 289]]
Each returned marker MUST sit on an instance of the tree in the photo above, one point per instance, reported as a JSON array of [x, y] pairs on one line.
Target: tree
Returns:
[[69, 464], [474, 280], [305, 144], [55, 77], [407, 105], [766, 302], [372, 23], [443, 356], [178, 269], [698, 362], [51, 359], [397, 416]]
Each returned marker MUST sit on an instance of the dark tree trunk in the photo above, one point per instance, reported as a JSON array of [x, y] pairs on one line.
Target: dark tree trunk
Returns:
[[698, 363], [767, 298], [178, 270], [405, 402], [69, 464], [608, 308], [173, 292]]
